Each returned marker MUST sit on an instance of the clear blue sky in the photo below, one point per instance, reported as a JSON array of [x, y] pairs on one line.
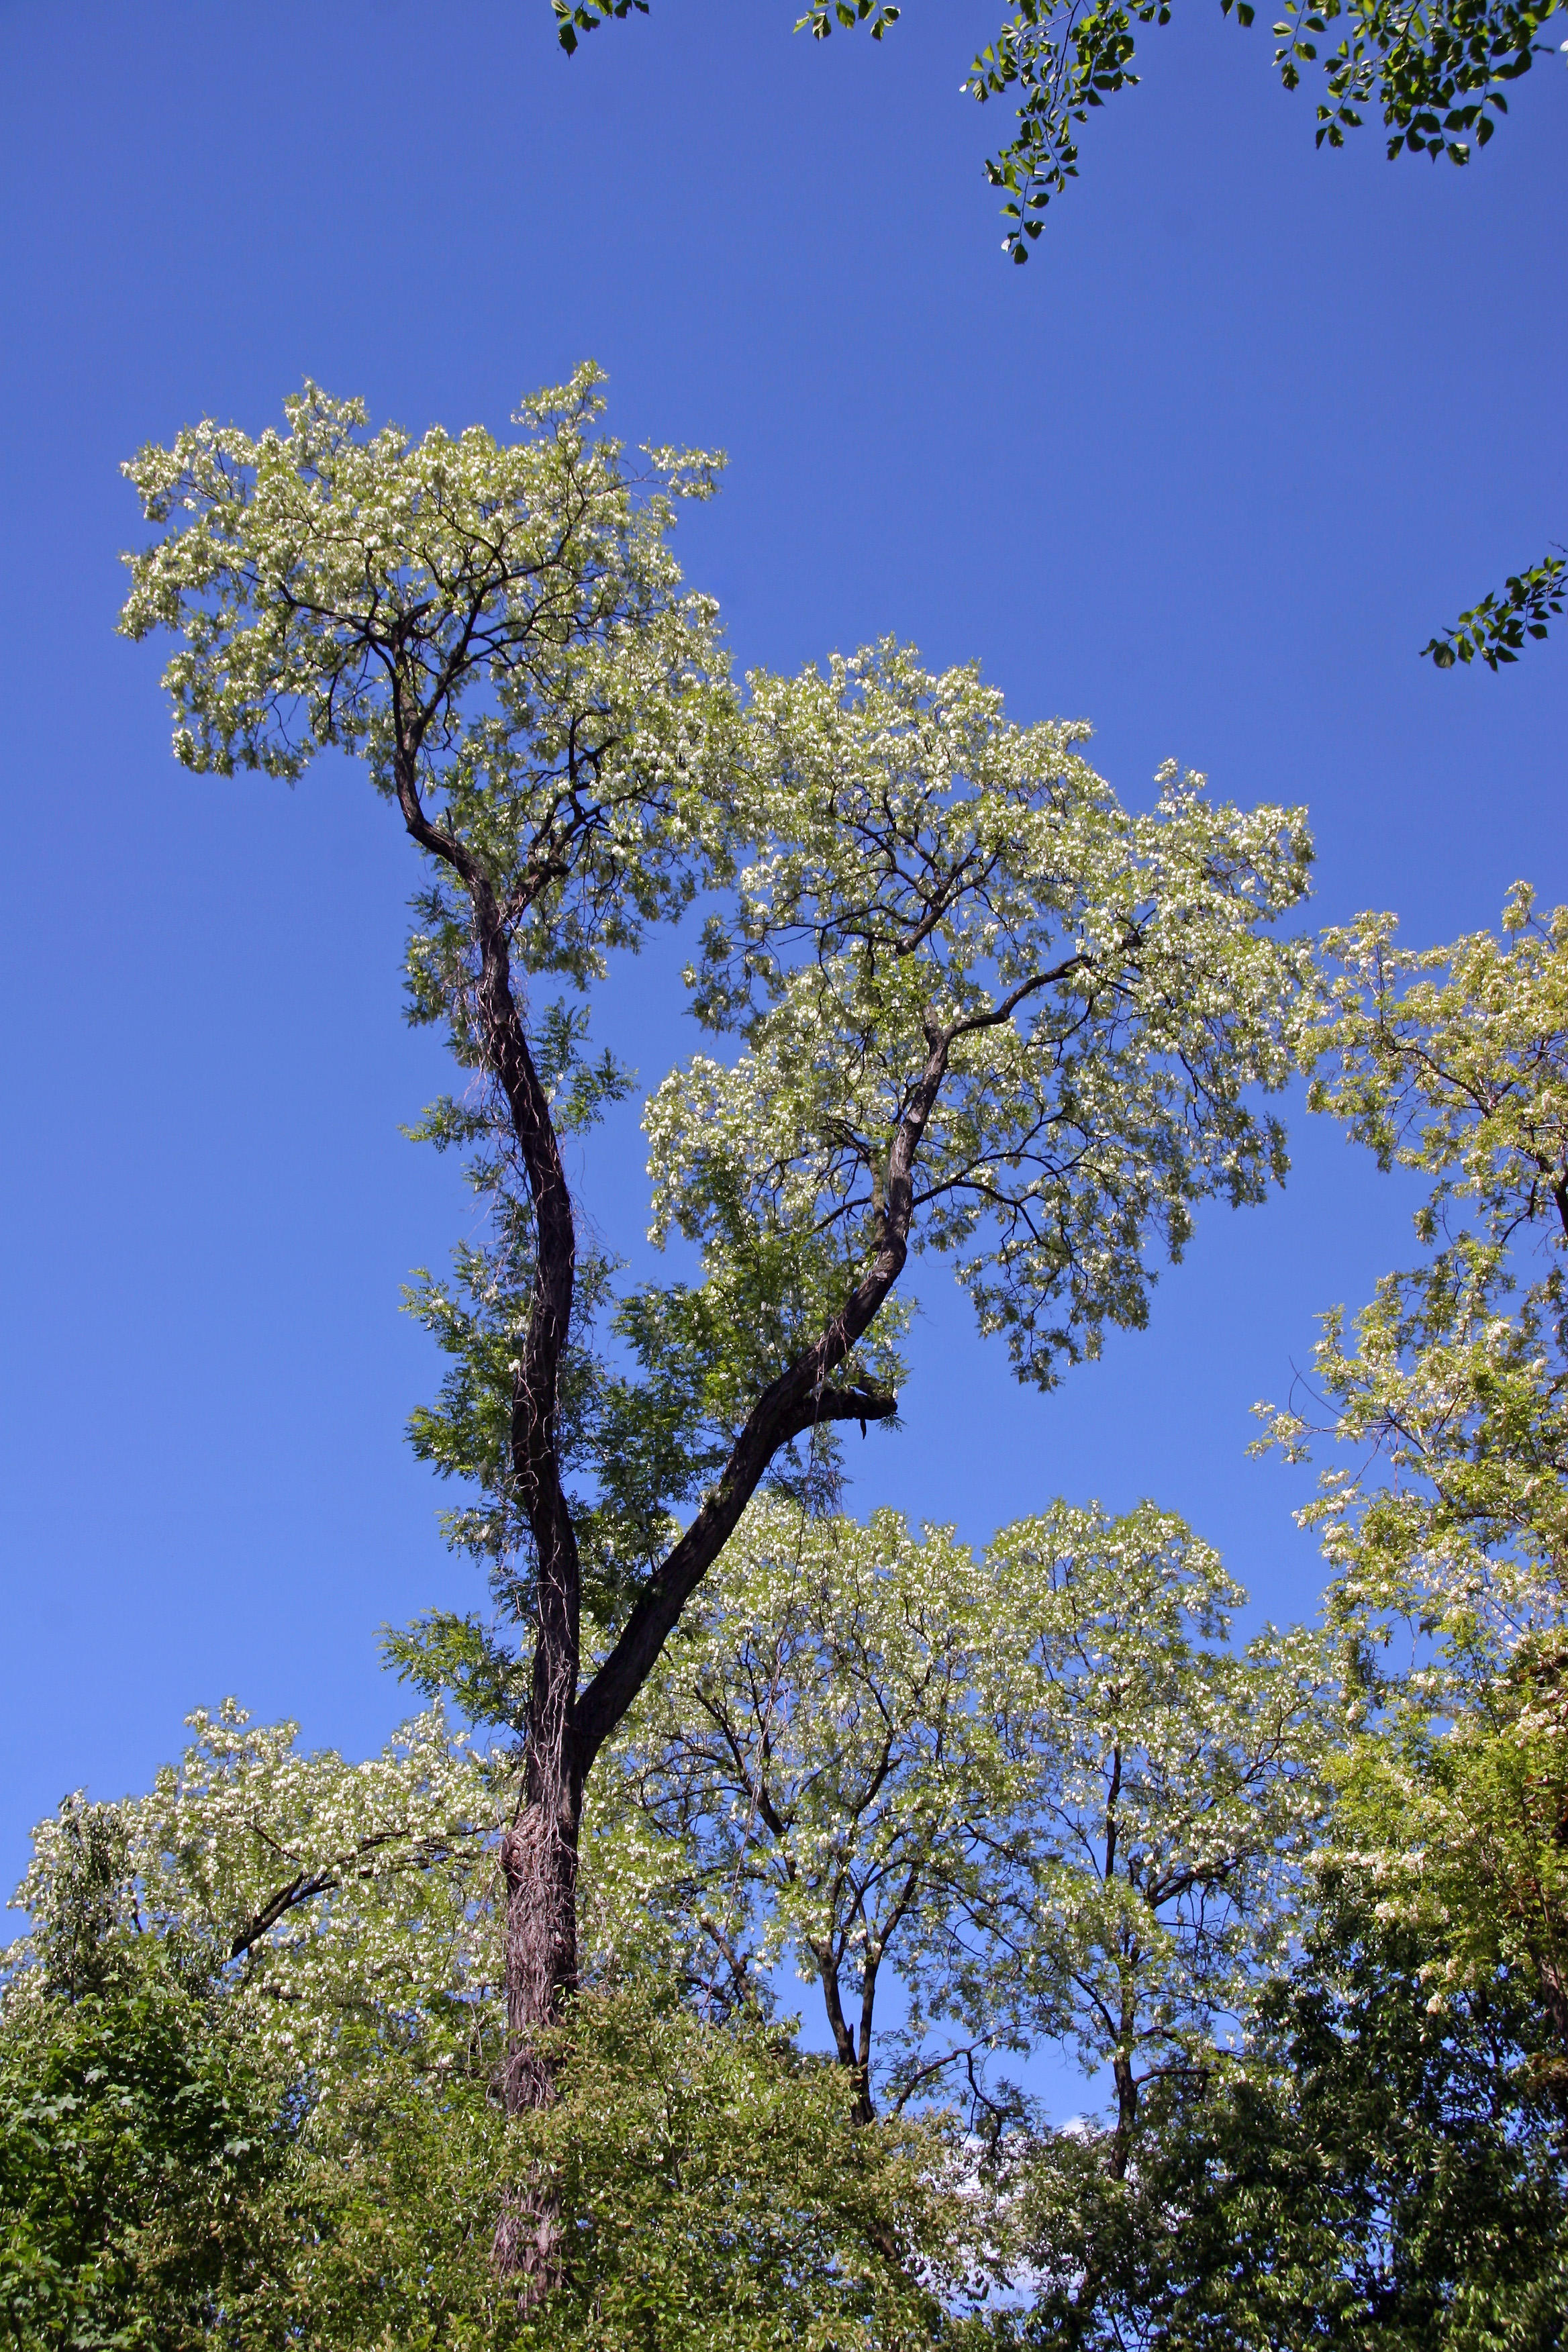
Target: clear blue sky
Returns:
[[1250, 425]]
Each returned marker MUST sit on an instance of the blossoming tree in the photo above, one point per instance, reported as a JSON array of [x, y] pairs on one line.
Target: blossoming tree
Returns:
[[1448, 1537], [1037, 1786], [980, 1007]]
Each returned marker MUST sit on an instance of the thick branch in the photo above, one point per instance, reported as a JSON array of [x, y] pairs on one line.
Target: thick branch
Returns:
[[307, 1885], [795, 1403]]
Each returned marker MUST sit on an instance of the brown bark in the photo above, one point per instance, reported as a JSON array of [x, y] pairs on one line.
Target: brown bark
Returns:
[[539, 1851], [565, 1729]]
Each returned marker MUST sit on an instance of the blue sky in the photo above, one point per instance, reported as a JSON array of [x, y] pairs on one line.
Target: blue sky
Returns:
[[1250, 425]]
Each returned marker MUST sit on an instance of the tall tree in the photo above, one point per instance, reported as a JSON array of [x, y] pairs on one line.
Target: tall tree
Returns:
[[1037, 1787], [1447, 1533], [980, 1007]]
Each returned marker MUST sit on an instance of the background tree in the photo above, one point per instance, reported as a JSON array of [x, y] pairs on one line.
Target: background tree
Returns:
[[340, 1906], [812, 1773], [1174, 1788], [980, 1007], [1040, 1789], [1448, 1542], [1370, 2169]]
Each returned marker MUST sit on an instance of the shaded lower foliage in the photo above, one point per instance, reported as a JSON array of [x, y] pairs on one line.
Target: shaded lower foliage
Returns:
[[1382, 2170], [715, 2189], [138, 2149], [713, 2185]]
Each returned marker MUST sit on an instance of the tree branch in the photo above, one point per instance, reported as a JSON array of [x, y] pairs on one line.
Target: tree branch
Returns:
[[795, 1403]]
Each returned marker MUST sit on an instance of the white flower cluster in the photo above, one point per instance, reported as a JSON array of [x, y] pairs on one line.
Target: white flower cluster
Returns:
[[342, 1903], [1038, 1788]]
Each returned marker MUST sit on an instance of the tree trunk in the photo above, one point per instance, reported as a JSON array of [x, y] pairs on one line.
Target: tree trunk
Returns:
[[539, 1865], [565, 1731]]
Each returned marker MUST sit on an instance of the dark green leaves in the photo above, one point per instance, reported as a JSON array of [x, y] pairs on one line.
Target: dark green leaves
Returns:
[[1434, 67], [442, 1654], [1496, 628], [135, 2133], [574, 16], [1434, 70], [1379, 2171], [823, 14]]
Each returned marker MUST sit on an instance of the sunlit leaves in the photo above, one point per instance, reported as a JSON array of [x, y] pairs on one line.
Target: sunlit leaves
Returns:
[[1036, 1787], [1447, 1529], [1454, 1062], [497, 624], [819, 1778], [337, 1899], [921, 878], [1173, 1784]]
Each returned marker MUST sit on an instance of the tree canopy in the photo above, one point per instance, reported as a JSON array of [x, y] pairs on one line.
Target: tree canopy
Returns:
[[977, 1007], [480, 2041]]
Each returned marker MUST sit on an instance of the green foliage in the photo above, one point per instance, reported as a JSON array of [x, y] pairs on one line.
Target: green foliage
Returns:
[[1454, 1062], [823, 14], [714, 2192], [1437, 68], [1460, 1810], [1373, 2172], [496, 626], [304, 2142], [1435, 71], [1037, 1788], [913, 865], [1449, 1542], [715, 2187], [1171, 1787], [1496, 628], [140, 2134], [721, 2194], [339, 1907], [575, 16], [812, 1772]]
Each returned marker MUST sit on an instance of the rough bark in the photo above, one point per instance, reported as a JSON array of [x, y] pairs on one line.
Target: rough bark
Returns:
[[566, 1729], [539, 1851]]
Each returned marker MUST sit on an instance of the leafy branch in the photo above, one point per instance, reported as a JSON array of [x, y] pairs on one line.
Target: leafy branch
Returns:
[[587, 16], [1496, 628], [1436, 67]]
